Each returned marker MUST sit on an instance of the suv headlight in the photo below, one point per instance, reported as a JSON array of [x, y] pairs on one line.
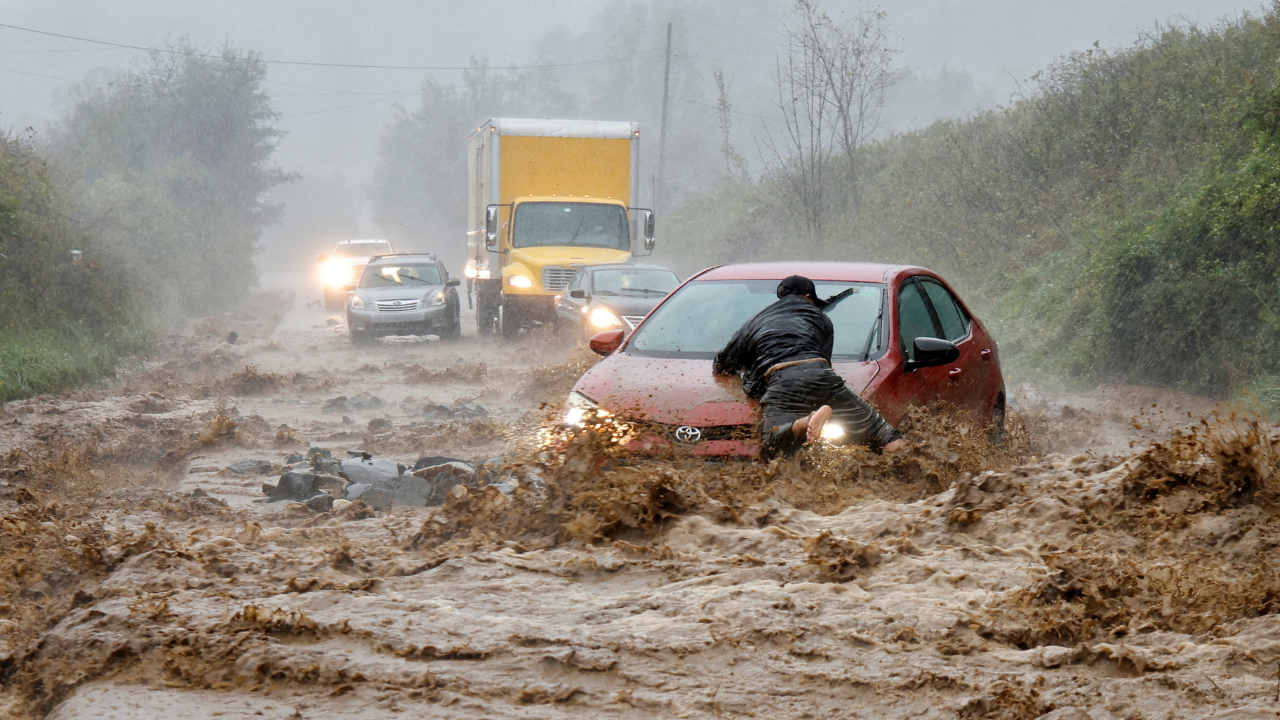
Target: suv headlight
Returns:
[[437, 299], [602, 318], [359, 303], [577, 405]]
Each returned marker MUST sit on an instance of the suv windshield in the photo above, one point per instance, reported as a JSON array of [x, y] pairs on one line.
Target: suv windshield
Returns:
[[636, 283], [362, 249], [552, 224], [698, 320], [376, 276]]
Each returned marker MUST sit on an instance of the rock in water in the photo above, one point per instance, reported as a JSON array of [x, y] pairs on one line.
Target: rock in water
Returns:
[[294, 485]]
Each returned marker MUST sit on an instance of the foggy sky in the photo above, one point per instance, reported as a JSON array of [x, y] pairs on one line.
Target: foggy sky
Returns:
[[332, 116]]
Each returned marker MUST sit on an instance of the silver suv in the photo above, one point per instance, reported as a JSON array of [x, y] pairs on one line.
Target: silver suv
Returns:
[[410, 294]]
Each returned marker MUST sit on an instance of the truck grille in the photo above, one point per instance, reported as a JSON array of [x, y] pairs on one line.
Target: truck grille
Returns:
[[397, 305], [556, 279]]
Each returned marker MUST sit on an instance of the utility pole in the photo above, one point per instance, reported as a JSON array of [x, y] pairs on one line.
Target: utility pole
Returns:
[[660, 195]]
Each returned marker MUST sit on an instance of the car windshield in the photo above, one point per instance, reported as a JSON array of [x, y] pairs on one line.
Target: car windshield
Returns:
[[362, 249], [552, 224], [698, 321], [376, 276], [634, 282]]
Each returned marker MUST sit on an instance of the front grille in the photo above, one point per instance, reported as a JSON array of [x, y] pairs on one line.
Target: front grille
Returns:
[[397, 305], [714, 432], [632, 321], [555, 279]]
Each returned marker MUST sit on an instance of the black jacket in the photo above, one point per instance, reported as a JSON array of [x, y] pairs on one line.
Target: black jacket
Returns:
[[791, 329]]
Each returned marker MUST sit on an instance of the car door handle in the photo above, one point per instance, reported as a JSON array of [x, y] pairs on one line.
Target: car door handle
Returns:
[[986, 354], [955, 372]]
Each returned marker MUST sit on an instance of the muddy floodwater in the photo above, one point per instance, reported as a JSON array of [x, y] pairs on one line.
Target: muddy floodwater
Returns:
[[1115, 558]]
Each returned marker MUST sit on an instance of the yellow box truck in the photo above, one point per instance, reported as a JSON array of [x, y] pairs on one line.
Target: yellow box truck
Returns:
[[546, 197]]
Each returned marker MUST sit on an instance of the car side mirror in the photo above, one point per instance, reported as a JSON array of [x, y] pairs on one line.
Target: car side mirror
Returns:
[[607, 341], [322, 258], [349, 287], [578, 294], [453, 282], [931, 352], [491, 227]]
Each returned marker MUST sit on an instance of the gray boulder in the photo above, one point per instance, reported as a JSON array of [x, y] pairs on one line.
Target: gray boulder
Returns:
[[294, 485], [251, 467]]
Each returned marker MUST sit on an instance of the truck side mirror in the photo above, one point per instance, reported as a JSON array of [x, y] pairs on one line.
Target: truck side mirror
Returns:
[[491, 227], [648, 229]]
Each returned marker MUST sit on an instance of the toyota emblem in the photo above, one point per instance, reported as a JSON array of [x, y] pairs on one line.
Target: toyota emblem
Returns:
[[687, 434]]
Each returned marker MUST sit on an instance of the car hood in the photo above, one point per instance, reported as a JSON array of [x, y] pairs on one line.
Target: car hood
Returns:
[[683, 392], [627, 304], [406, 292]]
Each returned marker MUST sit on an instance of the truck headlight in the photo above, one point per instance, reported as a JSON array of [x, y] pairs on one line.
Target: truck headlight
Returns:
[[519, 281], [359, 303], [437, 299], [575, 406], [602, 318]]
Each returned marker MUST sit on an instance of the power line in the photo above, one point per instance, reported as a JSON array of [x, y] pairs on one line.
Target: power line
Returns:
[[344, 107], [313, 64]]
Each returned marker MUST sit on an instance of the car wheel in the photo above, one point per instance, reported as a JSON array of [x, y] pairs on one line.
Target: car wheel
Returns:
[[453, 329], [360, 337], [998, 413], [334, 301], [508, 326]]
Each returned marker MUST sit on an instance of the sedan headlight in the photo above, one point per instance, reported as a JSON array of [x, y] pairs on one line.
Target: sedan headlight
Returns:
[[359, 303], [576, 406], [602, 318], [437, 299], [831, 432], [519, 281]]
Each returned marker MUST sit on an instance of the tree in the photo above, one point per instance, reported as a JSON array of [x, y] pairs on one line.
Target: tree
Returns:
[[175, 161], [831, 80]]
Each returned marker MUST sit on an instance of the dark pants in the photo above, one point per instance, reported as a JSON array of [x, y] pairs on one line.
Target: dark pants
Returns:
[[794, 392]]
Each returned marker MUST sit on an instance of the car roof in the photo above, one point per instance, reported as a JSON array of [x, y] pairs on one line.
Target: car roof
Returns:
[[368, 240], [633, 266], [814, 270]]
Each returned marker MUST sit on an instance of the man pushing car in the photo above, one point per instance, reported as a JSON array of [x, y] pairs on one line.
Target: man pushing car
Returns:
[[784, 356]]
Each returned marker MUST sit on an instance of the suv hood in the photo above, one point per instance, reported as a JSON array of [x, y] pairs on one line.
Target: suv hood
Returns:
[[628, 304], [683, 392]]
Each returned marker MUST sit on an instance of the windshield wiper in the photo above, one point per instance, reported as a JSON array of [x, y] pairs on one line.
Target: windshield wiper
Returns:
[[606, 292], [831, 301], [577, 230], [407, 277]]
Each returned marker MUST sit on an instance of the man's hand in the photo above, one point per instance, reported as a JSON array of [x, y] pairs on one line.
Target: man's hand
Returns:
[[894, 446]]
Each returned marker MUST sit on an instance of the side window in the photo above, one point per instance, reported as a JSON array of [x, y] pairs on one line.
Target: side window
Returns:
[[954, 324], [913, 318], [579, 281]]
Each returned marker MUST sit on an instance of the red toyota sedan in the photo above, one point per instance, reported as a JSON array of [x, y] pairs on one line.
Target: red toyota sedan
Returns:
[[902, 338]]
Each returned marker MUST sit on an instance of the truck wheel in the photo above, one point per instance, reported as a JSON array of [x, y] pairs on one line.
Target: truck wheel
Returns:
[[484, 316], [508, 324]]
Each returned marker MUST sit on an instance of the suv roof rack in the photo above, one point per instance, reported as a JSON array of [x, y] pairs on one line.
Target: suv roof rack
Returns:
[[393, 255]]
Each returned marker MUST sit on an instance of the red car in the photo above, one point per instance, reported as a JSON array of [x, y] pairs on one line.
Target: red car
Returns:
[[902, 338]]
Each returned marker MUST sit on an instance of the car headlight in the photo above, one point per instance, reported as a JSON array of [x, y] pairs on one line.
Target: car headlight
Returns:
[[519, 281], [602, 318], [437, 299], [576, 406], [359, 303], [832, 432], [336, 274]]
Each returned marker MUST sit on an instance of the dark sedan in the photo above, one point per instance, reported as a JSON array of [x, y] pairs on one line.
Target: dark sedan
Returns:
[[608, 297]]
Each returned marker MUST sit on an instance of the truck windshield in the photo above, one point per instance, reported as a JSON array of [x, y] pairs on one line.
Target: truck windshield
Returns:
[[571, 224], [701, 317]]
